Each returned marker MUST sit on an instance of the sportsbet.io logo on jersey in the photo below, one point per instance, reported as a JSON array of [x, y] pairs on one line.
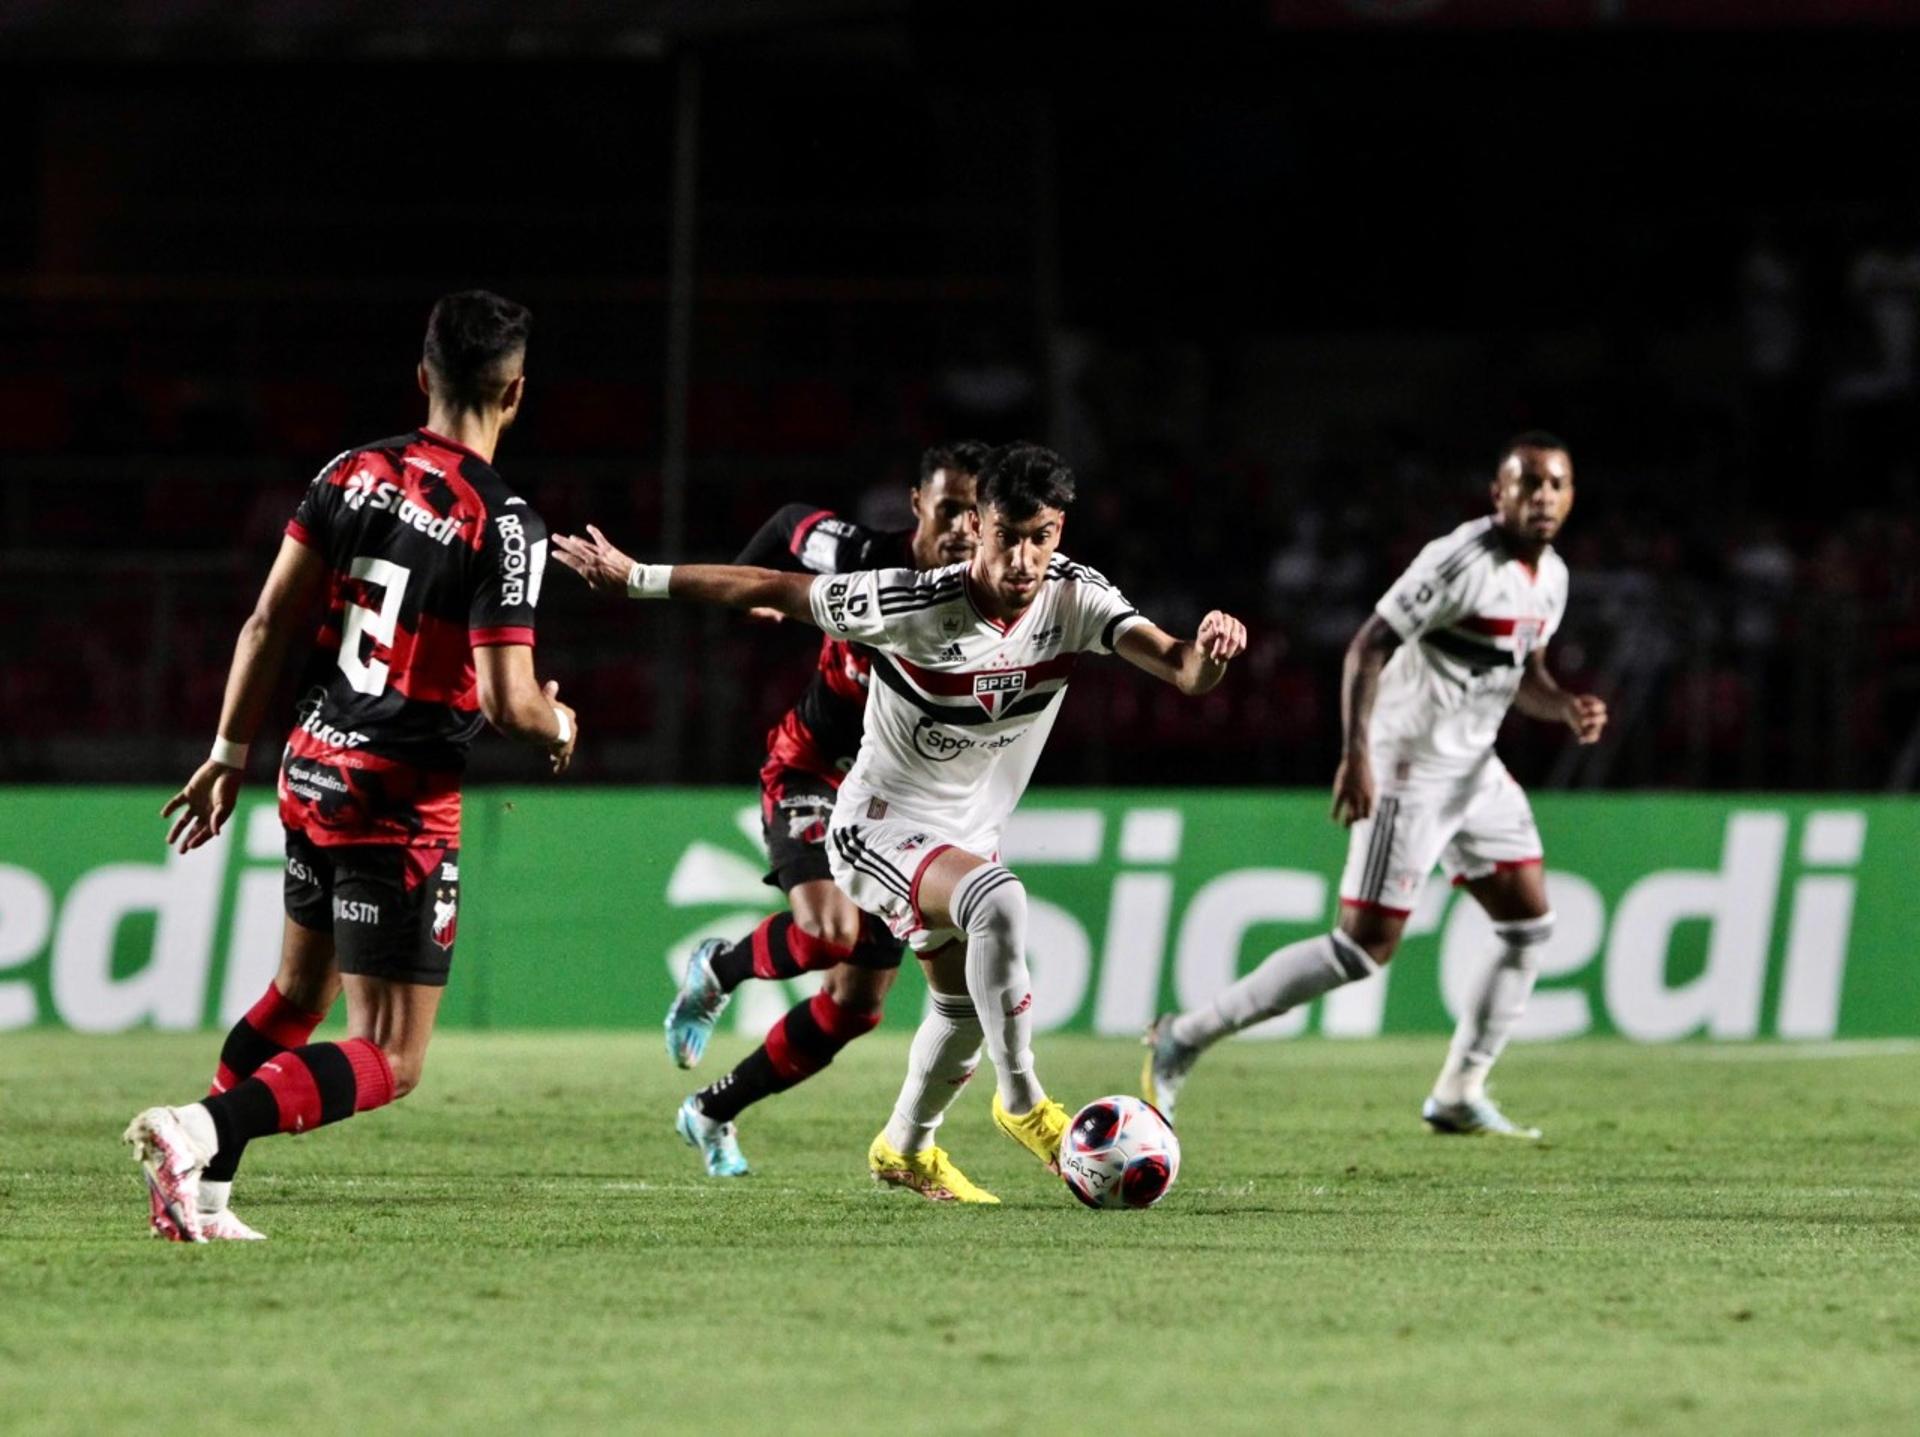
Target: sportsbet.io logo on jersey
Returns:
[[941, 744]]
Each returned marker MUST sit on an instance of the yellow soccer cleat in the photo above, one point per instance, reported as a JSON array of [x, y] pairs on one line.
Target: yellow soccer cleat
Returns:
[[932, 1173], [1038, 1131]]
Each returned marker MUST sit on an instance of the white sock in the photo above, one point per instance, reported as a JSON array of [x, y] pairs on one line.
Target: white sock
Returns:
[[1487, 1021], [214, 1197], [198, 1122], [990, 906], [1298, 973], [945, 1051]]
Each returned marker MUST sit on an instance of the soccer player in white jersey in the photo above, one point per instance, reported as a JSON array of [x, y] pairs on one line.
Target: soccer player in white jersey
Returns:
[[1459, 638], [972, 661]]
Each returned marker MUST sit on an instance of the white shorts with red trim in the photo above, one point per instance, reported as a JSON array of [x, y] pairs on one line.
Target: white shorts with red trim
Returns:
[[1471, 824], [878, 863]]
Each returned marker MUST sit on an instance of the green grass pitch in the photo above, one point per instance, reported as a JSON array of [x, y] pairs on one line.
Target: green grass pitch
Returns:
[[1712, 1241]]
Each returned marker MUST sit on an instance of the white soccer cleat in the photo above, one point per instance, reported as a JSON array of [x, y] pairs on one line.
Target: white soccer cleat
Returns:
[[1166, 1067], [1473, 1117], [223, 1226], [172, 1156]]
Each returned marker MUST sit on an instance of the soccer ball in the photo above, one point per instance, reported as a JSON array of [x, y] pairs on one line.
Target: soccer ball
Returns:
[[1119, 1152]]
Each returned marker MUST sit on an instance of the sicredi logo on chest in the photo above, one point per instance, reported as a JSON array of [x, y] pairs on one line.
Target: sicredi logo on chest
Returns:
[[368, 491]]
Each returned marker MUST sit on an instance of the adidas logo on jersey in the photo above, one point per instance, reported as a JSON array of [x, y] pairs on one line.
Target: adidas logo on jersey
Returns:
[[950, 655]]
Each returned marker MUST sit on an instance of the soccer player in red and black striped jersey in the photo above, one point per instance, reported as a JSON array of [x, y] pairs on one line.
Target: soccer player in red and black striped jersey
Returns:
[[808, 752], [428, 569]]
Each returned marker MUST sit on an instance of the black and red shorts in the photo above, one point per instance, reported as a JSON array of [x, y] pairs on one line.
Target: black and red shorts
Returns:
[[794, 808], [392, 908]]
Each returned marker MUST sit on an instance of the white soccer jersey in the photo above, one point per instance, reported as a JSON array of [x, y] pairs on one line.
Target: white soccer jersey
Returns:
[[1468, 614], [959, 707]]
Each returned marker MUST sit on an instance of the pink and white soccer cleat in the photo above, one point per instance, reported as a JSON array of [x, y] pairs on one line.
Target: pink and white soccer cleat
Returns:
[[172, 1157]]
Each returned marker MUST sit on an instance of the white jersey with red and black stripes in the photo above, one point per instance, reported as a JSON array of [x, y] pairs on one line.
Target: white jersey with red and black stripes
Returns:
[[959, 706], [1469, 612]]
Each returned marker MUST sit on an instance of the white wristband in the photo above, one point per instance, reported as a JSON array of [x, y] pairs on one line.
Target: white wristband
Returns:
[[648, 581], [565, 736], [229, 754]]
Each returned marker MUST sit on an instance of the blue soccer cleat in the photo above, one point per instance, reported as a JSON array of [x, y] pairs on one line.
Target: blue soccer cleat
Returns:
[[718, 1143], [1471, 1117], [696, 1007]]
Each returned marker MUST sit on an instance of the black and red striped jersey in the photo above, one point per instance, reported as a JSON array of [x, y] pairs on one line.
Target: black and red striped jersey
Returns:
[[430, 556], [821, 733]]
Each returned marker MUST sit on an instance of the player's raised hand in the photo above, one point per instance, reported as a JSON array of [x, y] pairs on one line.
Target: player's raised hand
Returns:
[[1222, 637], [594, 559], [204, 804], [1353, 789], [561, 754], [1586, 716]]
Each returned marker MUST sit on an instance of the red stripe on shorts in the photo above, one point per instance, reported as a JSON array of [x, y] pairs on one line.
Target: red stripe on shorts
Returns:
[[1503, 865], [1373, 907], [913, 889]]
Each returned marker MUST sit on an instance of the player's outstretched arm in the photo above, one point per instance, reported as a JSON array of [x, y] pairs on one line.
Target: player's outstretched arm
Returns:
[[279, 614], [772, 547], [518, 705], [1194, 665], [607, 570], [1367, 654], [1542, 698]]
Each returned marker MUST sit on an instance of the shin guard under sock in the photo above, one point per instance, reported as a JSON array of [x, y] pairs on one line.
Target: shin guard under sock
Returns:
[[269, 1028], [803, 1042], [301, 1089]]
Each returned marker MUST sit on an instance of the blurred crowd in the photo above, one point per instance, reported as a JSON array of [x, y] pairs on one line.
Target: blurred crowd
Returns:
[[1744, 553]]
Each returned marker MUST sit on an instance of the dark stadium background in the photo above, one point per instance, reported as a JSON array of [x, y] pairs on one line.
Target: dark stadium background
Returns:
[[1278, 286]]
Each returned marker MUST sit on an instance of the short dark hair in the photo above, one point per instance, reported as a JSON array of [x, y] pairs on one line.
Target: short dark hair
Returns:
[[961, 456], [1534, 439], [470, 338], [1023, 478]]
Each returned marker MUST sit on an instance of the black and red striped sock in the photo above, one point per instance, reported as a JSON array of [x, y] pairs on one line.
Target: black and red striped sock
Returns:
[[270, 1027], [778, 948], [301, 1089], [798, 1046]]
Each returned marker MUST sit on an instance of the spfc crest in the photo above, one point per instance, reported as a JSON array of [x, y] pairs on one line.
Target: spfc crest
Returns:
[[997, 691]]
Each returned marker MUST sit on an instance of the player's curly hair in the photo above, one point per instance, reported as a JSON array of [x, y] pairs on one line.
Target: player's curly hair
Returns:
[[959, 456], [472, 336], [1022, 478]]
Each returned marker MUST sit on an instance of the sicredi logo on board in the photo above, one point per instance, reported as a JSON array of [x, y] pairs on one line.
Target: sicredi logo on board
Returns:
[[1774, 925]]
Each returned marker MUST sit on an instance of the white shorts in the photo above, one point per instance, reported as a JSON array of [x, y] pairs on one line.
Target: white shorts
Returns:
[[878, 862], [1472, 824]]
